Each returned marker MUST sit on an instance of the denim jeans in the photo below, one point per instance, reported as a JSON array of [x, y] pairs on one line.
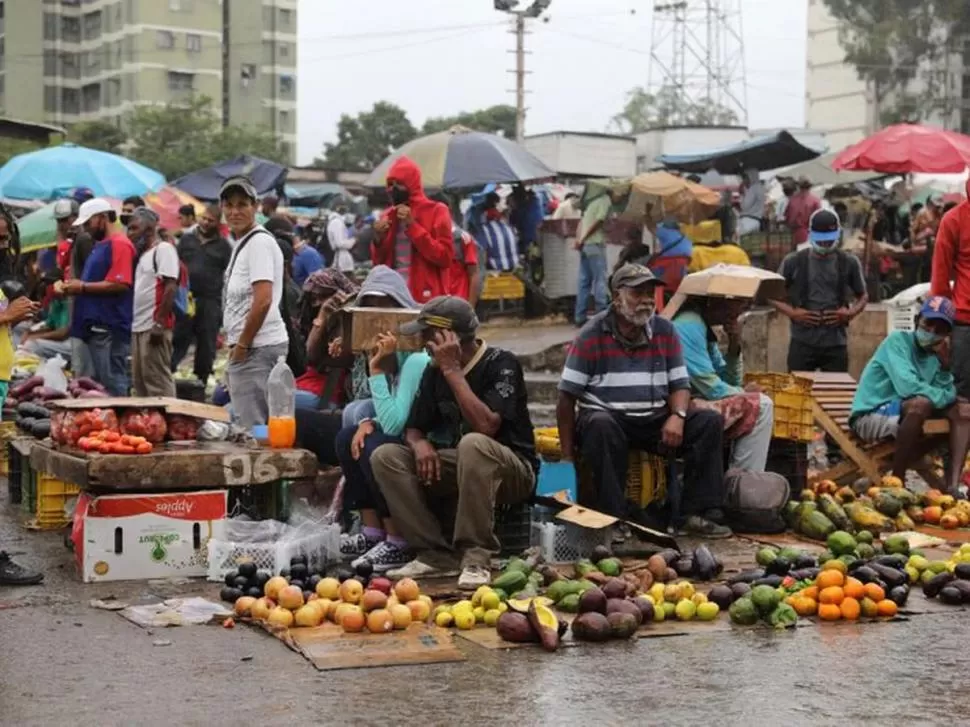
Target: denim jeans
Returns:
[[109, 359], [356, 411], [307, 400], [361, 491], [592, 281]]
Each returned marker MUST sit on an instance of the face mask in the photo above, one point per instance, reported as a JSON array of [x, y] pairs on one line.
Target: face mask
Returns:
[[99, 234], [399, 195], [823, 250], [927, 339]]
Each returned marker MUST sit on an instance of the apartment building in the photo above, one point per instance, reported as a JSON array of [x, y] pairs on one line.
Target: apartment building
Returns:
[[64, 61]]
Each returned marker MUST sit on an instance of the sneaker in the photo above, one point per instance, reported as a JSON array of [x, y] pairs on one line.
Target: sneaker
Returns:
[[12, 574], [703, 528], [385, 556], [716, 516], [354, 545], [621, 533], [416, 569], [473, 577]]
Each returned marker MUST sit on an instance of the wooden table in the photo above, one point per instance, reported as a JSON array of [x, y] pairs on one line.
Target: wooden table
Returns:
[[204, 465]]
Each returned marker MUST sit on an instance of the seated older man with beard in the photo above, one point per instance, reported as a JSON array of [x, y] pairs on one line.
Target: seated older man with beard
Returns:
[[627, 372]]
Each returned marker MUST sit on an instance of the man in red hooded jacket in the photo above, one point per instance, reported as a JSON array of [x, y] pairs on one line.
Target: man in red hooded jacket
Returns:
[[951, 262], [414, 234]]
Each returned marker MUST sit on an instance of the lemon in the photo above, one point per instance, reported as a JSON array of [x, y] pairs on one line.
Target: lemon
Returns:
[[479, 614], [491, 616], [707, 611], [490, 601], [444, 619], [479, 594], [464, 619], [503, 607]]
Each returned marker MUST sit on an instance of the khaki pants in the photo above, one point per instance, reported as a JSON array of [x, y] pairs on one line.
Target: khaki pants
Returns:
[[151, 365], [475, 477]]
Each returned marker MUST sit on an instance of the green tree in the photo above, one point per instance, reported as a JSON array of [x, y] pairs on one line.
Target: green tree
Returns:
[[363, 141], [667, 107], [177, 139], [494, 120], [101, 135], [902, 48], [9, 148]]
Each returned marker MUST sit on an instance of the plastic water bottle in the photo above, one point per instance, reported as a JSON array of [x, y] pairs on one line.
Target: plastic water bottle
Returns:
[[281, 397]]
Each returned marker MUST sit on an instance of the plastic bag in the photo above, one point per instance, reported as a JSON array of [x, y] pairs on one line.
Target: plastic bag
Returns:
[[52, 371], [211, 431], [67, 427], [182, 427], [147, 423]]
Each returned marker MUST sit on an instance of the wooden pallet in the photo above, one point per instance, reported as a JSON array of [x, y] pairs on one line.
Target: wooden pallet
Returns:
[[832, 396]]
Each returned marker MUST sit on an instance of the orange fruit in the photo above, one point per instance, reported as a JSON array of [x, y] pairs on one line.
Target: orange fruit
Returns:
[[829, 612], [805, 606], [869, 609], [832, 594], [886, 608], [875, 592], [850, 609], [835, 565], [810, 592], [854, 589], [829, 579]]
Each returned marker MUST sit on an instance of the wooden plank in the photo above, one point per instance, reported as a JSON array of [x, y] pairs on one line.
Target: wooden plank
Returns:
[[845, 442], [167, 404], [207, 465]]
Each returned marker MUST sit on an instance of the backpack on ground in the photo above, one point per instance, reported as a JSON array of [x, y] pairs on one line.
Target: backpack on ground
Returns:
[[754, 501], [184, 304]]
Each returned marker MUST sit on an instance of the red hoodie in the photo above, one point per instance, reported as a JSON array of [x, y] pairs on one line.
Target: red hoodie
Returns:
[[951, 259], [432, 247]]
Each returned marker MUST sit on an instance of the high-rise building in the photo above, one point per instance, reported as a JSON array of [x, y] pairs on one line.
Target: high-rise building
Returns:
[[64, 61]]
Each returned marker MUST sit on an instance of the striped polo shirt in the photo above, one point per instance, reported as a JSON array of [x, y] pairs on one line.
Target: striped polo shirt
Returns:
[[605, 373]]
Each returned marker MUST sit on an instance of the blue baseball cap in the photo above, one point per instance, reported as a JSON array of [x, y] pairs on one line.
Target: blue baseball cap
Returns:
[[824, 226], [938, 308]]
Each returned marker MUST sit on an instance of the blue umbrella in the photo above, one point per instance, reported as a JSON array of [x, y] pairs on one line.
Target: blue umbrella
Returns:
[[265, 175], [53, 172]]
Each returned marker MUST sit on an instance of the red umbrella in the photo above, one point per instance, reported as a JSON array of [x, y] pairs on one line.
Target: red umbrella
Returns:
[[906, 148]]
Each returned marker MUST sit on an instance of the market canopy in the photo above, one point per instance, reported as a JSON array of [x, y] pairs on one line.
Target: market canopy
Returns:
[[820, 172], [656, 195], [53, 172], [908, 148], [205, 184], [300, 194], [764, 153], [460, 158]]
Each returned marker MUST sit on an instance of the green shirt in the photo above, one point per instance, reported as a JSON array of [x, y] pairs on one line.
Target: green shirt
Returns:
[[597, 211], [58, 314]]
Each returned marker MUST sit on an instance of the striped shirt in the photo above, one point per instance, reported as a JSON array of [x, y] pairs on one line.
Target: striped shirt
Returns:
[[605, 373], [500, 242]]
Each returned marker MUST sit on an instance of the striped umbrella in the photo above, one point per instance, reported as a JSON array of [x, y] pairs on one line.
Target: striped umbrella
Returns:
[[464, 159], [166, 202]]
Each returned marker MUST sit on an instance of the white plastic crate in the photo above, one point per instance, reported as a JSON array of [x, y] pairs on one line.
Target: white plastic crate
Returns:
[[903, 317], [321, 547], [565, 542]]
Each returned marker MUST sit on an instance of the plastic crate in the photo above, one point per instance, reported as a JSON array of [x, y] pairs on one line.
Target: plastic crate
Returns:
[[502, 286], [903, 317], [566, 542], [792, 396], [321, 548], [53, 503], [14, 470], [512, 528]]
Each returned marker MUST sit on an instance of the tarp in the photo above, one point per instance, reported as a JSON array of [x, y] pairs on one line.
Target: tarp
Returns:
[[204, 184], [315, 195], [764, 153], [654, 195], [820, 172]]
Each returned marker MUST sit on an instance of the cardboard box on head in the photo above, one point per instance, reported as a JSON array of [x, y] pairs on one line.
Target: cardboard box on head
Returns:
[[728, 281], [361, 326]]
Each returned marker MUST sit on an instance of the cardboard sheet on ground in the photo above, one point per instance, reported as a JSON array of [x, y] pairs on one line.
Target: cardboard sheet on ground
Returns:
[[328, 648], [587, 518], [176, 612]]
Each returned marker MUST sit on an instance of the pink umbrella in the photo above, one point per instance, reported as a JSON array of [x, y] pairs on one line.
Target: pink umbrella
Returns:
[[906, 148]]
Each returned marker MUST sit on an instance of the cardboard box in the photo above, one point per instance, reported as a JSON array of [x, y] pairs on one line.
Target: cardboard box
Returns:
[[138, 537], [728, 281], [167, 404], [360, 326]]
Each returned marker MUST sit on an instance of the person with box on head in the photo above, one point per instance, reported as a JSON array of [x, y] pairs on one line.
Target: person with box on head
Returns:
[[626, 372], [469, 446], [820, 281], [907, 379], [254, 325]]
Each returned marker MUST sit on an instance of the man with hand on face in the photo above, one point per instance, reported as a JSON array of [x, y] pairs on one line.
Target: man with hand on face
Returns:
[[626, 371], [156, 282], [103, 296], [907, 379], [469, 437], [414, 234], [820, 281]]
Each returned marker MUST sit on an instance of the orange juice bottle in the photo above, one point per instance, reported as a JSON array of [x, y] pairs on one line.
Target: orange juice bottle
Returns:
[[282, 432]]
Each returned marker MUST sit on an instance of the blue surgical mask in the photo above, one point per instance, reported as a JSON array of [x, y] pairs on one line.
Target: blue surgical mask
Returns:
[[927, 339], [821, 249]]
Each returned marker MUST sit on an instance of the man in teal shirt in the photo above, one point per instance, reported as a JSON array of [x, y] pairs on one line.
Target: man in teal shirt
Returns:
[[591, 243], [908, 379]]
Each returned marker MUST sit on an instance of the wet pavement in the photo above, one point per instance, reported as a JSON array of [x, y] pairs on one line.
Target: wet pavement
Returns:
[[64, 661]]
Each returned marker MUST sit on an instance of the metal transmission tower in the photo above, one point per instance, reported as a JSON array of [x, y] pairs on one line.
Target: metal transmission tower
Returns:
[[697, 63]]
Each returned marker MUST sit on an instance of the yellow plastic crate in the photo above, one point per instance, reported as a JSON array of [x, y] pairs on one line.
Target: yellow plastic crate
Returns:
[[52, 496], [792, 396], [502, 286]]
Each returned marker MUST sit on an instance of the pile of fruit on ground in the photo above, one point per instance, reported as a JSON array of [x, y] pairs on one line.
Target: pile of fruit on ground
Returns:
[[890, 507]]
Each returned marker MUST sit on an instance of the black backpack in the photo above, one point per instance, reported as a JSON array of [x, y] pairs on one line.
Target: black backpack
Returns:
[[754, 501]]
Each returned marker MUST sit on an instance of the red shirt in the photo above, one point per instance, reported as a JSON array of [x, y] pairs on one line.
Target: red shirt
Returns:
[[951, 260], [64, 257], [458, 275], [799, 211]]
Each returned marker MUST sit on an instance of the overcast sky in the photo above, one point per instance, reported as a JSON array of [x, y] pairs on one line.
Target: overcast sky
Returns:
[[440, 57]]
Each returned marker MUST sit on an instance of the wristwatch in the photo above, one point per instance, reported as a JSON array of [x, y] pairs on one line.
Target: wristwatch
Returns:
[[680, 413]]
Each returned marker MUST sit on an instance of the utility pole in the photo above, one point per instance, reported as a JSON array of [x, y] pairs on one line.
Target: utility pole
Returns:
[[226, 66], [534, 11]]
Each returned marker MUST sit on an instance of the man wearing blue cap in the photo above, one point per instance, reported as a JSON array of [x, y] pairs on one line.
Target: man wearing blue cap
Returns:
[[821, 280], [907, 379]]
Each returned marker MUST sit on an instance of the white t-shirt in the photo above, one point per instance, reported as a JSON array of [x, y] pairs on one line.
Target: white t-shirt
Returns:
[[259, 260], [161, 261]]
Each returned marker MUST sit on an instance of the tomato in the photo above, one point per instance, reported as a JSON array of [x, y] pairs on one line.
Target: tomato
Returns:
[[124, 448], [144, 448]]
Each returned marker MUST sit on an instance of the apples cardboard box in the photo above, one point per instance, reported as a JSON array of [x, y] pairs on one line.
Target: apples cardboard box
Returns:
[[137, 537]]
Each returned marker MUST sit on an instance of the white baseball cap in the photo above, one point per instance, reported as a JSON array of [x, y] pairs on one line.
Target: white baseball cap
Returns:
[[92, 207]]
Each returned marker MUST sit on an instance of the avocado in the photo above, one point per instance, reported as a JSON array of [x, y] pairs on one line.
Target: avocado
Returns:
[[230, 595], [247, 569], [241, 583], [582, 567], [299, 572], [511, 581], [569, 603], [621, 605], [515, 628], [558, 590], [765, 556], [646, 607], [610, 566], [517, 564], [864, 536], [865, 551], [592, 600], [591, 626], [615, 588], [622, 625], [231, 577], [841, 543]]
